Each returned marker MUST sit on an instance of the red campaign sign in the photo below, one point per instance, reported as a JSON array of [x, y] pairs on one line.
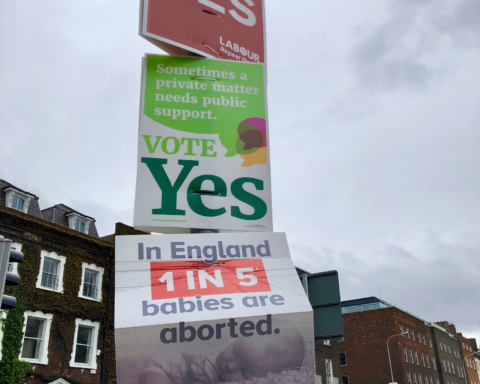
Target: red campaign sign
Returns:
[[172, 279], [220, 29]]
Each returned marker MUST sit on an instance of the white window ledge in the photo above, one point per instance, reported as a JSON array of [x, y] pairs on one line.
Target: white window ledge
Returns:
[[61, 267]]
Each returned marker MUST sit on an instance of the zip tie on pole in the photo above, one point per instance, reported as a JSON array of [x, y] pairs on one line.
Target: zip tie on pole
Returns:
[[205, 45]]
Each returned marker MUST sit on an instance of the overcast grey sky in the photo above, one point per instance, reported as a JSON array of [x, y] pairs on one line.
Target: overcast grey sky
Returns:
[[374, 111]]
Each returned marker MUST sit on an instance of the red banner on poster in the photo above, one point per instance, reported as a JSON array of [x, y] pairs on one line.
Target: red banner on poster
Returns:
[[174, 279]]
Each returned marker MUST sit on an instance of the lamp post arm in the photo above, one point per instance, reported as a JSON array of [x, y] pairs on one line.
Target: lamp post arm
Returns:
[[388, 351]]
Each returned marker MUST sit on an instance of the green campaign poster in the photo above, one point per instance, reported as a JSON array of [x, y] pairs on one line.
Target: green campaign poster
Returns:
[[203, 159]]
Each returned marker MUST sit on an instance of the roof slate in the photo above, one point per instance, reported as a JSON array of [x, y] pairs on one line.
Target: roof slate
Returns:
[[58, 214]]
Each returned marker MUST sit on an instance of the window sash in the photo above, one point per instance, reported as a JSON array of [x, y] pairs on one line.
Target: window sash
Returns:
[[328, 366], [80, 225], [31, 341], [18, 203], [90, 283], [83, 350], [50, 273]]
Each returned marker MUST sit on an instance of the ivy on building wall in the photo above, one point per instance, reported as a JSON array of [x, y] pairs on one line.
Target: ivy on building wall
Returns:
[[13, 370], [36, 235]]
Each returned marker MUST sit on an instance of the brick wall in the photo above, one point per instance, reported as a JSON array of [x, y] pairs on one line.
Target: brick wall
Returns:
[[366, 335]]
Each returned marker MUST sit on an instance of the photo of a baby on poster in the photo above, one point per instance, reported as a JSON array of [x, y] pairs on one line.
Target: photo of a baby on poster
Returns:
[[274, 352]]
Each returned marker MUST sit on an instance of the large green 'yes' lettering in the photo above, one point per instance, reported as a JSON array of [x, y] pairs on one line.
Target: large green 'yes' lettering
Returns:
[[195, 192]]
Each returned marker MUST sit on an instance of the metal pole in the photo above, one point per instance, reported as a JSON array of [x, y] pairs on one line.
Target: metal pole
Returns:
[[388, 351]]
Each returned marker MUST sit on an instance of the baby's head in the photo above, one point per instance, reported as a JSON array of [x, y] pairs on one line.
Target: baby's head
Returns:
[[256, 356]]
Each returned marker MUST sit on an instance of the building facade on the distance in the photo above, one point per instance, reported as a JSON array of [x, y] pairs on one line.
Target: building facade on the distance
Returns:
[[447, 354], [66, 291], [416, 357], [466, 351]]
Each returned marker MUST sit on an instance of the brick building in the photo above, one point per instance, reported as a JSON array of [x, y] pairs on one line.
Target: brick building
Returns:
[[447, 354], [65, 295], [368, 324]]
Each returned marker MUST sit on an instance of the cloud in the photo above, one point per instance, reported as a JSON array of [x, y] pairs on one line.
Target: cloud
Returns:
[[407, 50]]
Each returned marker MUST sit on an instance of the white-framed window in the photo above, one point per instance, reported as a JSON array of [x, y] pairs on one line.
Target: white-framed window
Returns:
[[427, 360], [401, 329], [405, 354], [343, 358], [419, 337], [36, 333], [441, 348], [408, 334], [78, 222], [430, 342], [423, 359], [438, 381], [414, 376], [424, 340], [448, 366], [420, 379], [426, 379], [416, 358], [411, 355], [17, 200], [326, 342], [413, 334], [449, 350], [85, 352], [50, 276], [13, 267], [91, 287], [409, 378], [431, 380], [434, 364], [329, 368]]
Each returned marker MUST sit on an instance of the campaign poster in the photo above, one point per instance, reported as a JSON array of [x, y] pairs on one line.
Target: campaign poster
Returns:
[[212, 309], [203, 147], [219, 29]]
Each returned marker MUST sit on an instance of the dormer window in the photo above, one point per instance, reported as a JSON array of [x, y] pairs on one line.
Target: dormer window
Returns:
[[18, 203], [80, 225], [79, 222], [17, 200]]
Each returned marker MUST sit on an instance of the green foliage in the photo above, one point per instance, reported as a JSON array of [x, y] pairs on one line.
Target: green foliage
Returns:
[[13, 370]]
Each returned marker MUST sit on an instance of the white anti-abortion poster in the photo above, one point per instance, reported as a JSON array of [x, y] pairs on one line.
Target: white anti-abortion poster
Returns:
[[211, 308]]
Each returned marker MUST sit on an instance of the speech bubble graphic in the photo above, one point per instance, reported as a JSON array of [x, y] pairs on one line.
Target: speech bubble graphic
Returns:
[[252, 141], [205, 96]]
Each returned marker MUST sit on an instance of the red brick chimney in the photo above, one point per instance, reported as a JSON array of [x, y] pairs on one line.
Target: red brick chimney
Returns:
[[452, 328]]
